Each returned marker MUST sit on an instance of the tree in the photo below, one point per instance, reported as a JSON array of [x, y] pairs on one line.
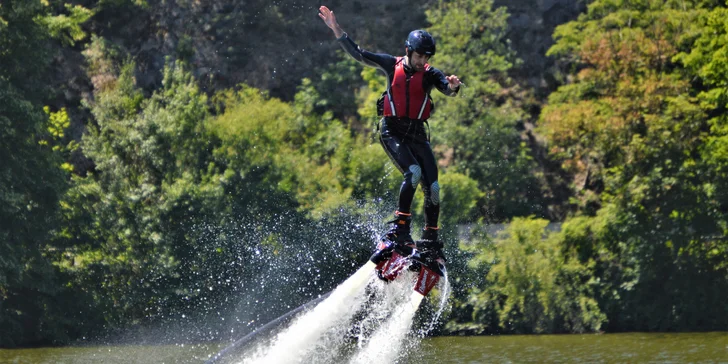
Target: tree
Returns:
[[534, 285], [31, 182], [477, 133], [631, 128], [129, 225]]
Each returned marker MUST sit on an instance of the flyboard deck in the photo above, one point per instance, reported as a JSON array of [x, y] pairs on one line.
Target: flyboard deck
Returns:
[[423, 257]]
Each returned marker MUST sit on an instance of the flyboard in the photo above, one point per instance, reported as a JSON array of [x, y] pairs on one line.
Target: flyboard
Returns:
[[421, 256], [310, 321]]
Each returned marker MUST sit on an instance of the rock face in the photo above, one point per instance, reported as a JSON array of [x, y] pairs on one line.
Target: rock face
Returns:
[[272, 45], [532, 23]]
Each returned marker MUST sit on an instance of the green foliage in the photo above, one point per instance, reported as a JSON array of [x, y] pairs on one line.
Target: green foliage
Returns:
[[29, 186], [58, 122], [153, 175], [536, 285], [189, 198], [368, 172], [629, 88], [368, 95], [144, 4], [335, 85], [634, 130], [25, 54], [67, 28], [291, 157], [707, 61], [155, 222], [476, 133], [463, 201], [35, 307], [473, 38], [104, 60], [276, 151]]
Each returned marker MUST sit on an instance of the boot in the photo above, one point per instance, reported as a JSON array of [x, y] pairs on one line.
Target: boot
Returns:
[[430, 233], [430, 242], [400, 231]]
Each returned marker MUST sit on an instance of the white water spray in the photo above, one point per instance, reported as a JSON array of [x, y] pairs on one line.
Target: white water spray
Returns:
[[291, 345], [364, 320], [386, 343], [444, 287]]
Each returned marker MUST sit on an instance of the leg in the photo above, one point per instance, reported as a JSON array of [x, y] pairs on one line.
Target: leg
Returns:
[[403, 158], [430, 187]]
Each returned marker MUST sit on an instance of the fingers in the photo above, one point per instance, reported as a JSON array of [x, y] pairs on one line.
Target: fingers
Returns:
[[453, 79], [324, 12], [326, 15]]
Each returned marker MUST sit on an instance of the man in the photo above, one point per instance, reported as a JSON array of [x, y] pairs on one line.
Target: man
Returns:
[[406, 105]]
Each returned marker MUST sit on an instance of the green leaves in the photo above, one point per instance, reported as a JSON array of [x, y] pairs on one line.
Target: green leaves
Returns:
[[473, 35], [31, 183], [535, 284], [639, 129], [154, 176], [476, 133], [67, 28], [635, 129]]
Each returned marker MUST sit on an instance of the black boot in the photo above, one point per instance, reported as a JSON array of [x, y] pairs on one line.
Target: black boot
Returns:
[[400, 231], [430, 243], [430, 233]]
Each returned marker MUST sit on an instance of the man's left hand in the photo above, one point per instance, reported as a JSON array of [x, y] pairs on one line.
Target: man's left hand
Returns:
[[453, 82]]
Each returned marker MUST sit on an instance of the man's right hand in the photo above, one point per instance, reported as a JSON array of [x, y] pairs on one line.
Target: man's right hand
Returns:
[[330, 19]]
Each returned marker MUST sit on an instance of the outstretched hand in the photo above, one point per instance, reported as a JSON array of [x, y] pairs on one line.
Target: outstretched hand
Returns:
[[453, 81], [330, 19]]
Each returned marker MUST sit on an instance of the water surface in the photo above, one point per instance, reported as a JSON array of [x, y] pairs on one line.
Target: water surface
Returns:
[[605, 348]]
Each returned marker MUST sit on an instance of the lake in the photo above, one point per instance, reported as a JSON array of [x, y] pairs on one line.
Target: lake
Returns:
[[603, 348]]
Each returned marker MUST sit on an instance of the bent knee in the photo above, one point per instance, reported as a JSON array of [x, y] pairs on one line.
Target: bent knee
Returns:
[[415, 174], [435, 193]]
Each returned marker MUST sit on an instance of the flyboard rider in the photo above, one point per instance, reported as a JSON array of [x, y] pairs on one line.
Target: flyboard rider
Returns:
[[405, 106]]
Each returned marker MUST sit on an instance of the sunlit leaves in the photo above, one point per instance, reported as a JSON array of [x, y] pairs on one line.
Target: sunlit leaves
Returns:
[[537, 285], [620, 93], [634, 127], [473, 38], [153, 175], [476, 133], [30, 183], [67, 28]]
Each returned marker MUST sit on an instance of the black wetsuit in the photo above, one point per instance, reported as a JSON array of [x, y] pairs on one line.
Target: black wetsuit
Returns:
[[405, 140]]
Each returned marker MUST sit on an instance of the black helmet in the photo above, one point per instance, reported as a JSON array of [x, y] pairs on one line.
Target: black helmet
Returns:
[[420, 41]]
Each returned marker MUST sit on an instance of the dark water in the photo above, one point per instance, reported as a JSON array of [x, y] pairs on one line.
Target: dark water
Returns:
[[607, 348]]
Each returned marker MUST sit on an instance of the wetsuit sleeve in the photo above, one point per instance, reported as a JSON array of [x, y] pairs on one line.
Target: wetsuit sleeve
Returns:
[[437, 79], [382, 61]]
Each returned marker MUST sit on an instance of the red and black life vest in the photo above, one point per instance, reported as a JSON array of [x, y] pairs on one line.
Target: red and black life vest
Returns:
[[407, 97]]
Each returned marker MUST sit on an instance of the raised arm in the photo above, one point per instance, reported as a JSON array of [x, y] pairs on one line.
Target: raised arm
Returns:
[[330, 19], [385, 62]]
